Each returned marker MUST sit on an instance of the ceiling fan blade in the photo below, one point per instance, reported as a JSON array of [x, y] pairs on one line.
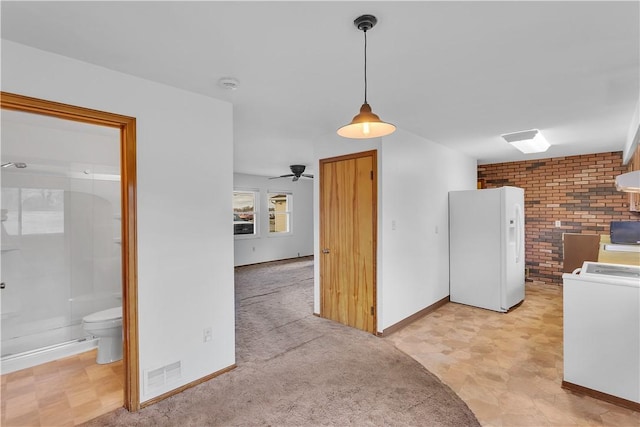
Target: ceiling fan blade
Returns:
[[282, 176], [307, 175]]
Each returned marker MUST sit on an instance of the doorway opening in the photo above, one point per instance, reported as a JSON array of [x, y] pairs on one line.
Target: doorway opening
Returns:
[[125, 129], [61, 235]]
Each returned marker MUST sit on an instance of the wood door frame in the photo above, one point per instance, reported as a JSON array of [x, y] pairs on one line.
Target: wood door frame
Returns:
[[128, 188], [374, 157]]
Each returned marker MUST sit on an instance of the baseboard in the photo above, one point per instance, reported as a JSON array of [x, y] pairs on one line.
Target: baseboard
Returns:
[[401, 324], [274, 261], [629, 404], [186, 386]]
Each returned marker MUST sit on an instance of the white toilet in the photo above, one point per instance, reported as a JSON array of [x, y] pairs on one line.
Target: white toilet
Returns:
[[106, 325]]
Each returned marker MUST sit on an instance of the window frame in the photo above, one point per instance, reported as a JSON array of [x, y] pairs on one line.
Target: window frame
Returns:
[[255, 213], [288, 212]]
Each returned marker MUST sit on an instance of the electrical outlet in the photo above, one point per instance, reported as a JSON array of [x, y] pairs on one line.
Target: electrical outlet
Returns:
[[207, 334], [558, 224]]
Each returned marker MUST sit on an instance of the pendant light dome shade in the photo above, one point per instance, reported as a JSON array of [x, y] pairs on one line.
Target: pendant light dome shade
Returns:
[[366, 125]]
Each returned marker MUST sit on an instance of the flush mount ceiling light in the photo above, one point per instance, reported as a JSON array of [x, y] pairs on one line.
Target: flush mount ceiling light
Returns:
[[366, 124], [528, 141]]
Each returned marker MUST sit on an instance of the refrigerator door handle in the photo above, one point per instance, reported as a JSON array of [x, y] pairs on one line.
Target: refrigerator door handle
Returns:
[[519, 232]]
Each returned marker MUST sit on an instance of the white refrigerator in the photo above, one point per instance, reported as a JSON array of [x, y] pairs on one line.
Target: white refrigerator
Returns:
[[486, 247]]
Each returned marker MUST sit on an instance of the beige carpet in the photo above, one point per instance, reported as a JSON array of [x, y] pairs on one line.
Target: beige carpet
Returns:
[[295, 369]]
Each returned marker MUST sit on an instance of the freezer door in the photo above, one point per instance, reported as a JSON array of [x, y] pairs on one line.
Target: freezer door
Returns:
[[512, 282]]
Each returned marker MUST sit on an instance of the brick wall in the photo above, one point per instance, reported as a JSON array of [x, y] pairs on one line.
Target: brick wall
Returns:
[[579, 191]]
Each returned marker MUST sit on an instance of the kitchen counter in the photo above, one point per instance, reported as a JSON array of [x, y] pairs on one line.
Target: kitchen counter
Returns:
[[618, 254]]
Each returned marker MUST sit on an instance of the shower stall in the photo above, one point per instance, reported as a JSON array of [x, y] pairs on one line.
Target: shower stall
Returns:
[[60, 224]]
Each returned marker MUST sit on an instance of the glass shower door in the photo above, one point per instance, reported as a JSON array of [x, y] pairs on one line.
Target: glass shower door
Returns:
[[34, 263], [60, 210]]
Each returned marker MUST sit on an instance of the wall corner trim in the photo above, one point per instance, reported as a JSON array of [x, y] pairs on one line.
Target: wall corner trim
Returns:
[[633, 136]]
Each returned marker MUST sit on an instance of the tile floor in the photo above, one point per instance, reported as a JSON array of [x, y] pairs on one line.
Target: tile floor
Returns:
[[65, 392], [507, 367]]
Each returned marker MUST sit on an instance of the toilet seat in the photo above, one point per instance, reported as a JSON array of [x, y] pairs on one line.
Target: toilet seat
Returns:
[[108, 315]]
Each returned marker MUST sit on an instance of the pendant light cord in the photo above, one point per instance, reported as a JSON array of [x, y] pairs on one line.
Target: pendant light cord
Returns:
[[365, 66]]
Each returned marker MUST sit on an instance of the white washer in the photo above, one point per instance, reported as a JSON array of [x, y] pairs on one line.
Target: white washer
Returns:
[[602, 329]]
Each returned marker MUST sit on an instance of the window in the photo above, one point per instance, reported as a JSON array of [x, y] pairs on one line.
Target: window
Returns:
[[279, 213], [244, 212], [32, 211]]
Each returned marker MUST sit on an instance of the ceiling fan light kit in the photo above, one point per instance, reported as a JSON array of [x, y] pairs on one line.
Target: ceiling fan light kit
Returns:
[[366, 124], [297, 171]]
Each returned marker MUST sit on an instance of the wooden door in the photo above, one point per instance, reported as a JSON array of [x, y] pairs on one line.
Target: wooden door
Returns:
[[348, 222]]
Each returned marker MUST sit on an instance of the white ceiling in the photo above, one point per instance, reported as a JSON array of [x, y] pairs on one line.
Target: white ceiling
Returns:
[[457, 73]]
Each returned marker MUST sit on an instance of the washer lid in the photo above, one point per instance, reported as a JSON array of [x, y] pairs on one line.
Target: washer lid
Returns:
[[611, 270], [104, 315]]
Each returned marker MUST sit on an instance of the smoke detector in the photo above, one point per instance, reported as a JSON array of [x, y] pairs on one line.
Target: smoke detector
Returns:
[[228, 83]]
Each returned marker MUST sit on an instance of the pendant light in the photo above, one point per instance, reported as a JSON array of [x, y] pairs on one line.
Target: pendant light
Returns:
[[366, 124]]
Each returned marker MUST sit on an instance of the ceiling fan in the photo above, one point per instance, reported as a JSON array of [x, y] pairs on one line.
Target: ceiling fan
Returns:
[[296, 173]]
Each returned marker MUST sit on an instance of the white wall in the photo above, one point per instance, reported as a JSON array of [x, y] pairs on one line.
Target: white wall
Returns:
[[263, 246], [185, 182], [415, 176]]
